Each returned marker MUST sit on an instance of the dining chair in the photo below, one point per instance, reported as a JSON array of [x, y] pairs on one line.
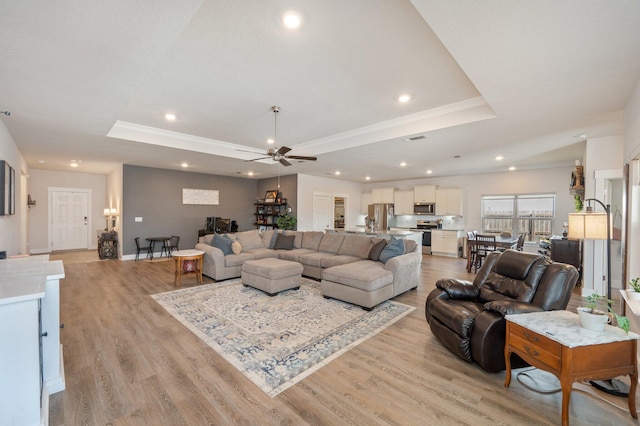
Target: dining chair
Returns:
[[520, 243], [485, 244], [139, 249], [173, 243], [471, 249]]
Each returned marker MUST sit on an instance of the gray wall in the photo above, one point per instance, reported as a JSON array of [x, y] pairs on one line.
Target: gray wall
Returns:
[[156, 196], [288, 187]]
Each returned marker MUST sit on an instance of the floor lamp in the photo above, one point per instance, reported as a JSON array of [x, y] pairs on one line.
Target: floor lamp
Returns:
[[590, 225]]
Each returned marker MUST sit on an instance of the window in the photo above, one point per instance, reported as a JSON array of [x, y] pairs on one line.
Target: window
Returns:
[[519, 214]]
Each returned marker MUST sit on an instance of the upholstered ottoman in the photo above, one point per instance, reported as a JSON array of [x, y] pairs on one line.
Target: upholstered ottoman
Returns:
[[271, 275]]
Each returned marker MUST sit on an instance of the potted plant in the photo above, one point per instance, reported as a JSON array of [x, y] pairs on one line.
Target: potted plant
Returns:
[[634, 291], [286, 221], [593, 319], [577, 199]]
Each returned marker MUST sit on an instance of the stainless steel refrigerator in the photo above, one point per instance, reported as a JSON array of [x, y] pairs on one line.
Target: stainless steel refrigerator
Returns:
[[380, 215]]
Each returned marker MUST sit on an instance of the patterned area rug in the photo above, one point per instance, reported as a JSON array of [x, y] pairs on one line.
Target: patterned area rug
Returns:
[[276, 341]]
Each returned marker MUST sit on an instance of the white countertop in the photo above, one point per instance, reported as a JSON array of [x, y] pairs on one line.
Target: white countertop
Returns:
[[25, 278], [363, 230]]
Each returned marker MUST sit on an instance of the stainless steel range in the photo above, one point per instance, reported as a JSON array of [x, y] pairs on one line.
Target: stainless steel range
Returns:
[[426, 226]]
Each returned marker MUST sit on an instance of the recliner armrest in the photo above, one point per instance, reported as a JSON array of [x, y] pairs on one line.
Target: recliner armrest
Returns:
[[458, 289], [509, 307]]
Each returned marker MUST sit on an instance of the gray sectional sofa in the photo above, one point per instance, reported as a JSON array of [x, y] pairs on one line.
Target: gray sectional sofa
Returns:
[[340, 261]]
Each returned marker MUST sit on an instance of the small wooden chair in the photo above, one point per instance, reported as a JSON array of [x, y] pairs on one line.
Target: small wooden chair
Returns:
[[139, 249], [485, 244]]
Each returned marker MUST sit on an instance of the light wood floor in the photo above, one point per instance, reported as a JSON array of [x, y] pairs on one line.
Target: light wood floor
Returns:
[[128, 362]]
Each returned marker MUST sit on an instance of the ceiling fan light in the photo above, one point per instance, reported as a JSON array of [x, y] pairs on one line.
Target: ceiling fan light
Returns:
[[291, 20]]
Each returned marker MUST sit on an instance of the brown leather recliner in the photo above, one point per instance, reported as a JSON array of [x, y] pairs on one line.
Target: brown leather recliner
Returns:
[[468, 318]]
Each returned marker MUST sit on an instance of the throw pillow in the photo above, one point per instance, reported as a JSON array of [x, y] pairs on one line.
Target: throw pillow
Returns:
[[236, 247], [393, 249], [284, 242], [222, 242], [274, 238], [376, 249]]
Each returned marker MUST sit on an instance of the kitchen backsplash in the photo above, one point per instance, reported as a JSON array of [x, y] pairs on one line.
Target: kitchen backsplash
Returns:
[[409, 221]]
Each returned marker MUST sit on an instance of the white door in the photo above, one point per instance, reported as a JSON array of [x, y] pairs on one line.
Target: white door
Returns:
[[69, 220], [322, 209]]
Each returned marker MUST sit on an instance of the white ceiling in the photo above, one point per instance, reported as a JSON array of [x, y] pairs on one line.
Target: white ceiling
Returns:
[[92, 80]]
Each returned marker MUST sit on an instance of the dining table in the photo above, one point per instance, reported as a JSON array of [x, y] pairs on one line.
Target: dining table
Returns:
[[152, 245], [502, 243]]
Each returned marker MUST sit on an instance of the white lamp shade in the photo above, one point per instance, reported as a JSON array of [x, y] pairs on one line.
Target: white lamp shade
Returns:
[[106, 212], [114, 212], [590, 226]]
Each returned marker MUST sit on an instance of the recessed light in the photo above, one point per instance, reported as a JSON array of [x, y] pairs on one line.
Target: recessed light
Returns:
[[170, 117], [41, 161], [512, 168], [499, 157], [250, 173], [184, 164], [291, 20], [337, 172], [429, 172], [270, 141], [367, 178], [403, 164], [75, 163], [404, 98]]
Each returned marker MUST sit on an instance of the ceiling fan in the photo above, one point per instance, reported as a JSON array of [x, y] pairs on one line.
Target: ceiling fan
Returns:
[[280, 154]]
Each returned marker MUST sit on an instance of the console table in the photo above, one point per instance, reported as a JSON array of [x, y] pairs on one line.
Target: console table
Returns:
[[554, 341]]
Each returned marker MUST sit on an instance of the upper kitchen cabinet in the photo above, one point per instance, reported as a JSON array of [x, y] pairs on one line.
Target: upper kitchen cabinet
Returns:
[[449, 202], [424, 194], [365, 200], [403, 202], [382, 196]]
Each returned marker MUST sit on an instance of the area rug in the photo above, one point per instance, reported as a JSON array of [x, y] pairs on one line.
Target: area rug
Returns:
[[276, 341]]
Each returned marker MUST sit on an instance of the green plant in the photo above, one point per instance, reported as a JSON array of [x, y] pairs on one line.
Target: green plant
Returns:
[[635, 284], [286, 221], [577, 199], [592, 303]]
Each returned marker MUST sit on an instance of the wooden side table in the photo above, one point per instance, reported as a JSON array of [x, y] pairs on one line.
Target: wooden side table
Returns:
[[180, 257], [554, 341]]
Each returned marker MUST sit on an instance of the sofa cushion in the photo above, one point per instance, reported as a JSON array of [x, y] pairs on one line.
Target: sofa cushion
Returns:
[[376, 249], [236, 247], [364, 275], [297, 242], [311, 240], [294, 254], [314, 258], [262, 253], [355, 245], [269, 238], [340, 259], [249, 239], [284, 242], [331, 243], [222, 242], [393, 249], [409, 245], [206, 239]]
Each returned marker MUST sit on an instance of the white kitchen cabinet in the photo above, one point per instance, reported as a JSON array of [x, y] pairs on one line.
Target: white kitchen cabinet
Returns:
[[446, 242], [365, 200], [31, 365], [424, 194], [382, 195], [449, 202], [403, 202]]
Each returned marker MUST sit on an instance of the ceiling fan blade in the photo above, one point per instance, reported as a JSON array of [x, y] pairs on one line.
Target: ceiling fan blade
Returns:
[[300, 157], [284, 162], [256, 159], [283, 150]]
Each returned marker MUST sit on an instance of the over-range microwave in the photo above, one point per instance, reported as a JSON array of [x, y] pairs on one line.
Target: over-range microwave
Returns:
[[424, 208]]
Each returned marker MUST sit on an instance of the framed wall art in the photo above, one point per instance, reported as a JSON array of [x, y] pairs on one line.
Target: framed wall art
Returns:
[[271, 196]]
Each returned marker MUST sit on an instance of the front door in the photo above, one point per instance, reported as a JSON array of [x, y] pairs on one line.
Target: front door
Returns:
[[69, 220]]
